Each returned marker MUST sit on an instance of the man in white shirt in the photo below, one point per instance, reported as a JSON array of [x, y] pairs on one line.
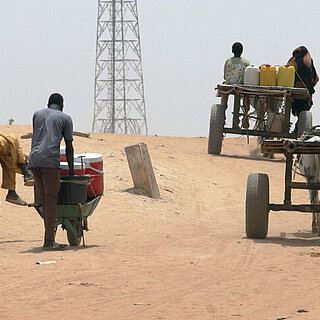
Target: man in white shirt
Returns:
[[234, 69]]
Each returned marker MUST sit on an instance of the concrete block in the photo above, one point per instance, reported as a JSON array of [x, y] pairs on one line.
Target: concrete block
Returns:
[[141, 169]]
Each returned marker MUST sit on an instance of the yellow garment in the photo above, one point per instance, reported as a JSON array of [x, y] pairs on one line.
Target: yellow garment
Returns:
[[10, 155]]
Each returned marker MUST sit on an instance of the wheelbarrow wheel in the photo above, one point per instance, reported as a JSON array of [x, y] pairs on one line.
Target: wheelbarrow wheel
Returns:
[[72, 239], [304, 123], [257, 206], [216, 129]]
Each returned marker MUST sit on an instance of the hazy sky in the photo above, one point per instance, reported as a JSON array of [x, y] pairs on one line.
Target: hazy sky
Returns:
[[49, 46]]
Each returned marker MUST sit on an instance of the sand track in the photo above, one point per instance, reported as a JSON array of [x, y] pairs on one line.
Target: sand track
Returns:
[[184, 256]]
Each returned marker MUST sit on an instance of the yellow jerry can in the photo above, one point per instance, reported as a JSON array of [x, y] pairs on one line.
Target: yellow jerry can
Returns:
[[268, 76], [286, 75]]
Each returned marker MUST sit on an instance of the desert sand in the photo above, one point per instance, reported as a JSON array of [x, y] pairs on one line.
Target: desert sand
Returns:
[[185, 256]]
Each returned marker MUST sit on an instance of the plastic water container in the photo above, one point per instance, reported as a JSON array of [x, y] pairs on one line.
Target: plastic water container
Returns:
[[63, 154], [64, 169], [286, 76], [93, 162], [252, 75], [268, 76]]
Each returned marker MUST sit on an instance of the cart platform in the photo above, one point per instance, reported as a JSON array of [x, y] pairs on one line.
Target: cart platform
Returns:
[[259, 111], [294, 93]]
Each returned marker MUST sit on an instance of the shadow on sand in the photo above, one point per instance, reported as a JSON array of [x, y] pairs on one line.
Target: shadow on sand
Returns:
[[296, 239], [250, 158], [136, 191], [38, 250], [12, 241], [17, 241]]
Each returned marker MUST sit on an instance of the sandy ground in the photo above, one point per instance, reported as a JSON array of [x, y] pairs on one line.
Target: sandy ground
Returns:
[[185, 256]]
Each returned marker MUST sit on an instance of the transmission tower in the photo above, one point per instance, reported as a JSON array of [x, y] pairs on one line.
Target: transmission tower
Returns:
[[119, 105]]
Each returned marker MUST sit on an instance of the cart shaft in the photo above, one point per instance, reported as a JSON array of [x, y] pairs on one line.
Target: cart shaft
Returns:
[[299, 207]]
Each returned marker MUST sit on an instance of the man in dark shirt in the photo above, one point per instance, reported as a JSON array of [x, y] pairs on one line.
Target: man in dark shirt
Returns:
[[50, 125]]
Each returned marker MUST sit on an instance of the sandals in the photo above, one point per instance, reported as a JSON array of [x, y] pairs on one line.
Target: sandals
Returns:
[[29, 183], [17, 201], [28, 180]]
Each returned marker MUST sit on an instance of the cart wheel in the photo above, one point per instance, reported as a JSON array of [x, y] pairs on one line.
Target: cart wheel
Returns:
[[305, 122], [257, 203], [72, 239], [216, 129]]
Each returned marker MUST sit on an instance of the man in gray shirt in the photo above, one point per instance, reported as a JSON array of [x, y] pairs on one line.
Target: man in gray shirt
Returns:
[[50, 125]]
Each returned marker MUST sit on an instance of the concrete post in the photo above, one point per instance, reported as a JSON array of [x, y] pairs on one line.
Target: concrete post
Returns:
[[141, 169]]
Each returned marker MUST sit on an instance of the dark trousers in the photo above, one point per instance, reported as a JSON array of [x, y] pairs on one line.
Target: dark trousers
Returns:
[[299, 105], [48, 185]]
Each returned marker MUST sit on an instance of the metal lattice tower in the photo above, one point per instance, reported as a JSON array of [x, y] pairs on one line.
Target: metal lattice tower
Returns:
[[119, 105]]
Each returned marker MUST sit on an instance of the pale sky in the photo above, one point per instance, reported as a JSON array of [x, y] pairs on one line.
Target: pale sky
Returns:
[[49, 46]]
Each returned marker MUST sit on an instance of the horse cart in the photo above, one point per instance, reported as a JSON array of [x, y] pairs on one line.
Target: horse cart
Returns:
[[73, 209], [257, 111], [257, 196]]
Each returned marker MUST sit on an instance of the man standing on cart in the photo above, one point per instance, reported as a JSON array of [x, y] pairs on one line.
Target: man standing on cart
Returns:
[[306, 77], [50, 125]]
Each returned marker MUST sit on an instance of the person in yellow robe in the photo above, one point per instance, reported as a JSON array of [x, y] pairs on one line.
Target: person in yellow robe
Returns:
[[13, 161]]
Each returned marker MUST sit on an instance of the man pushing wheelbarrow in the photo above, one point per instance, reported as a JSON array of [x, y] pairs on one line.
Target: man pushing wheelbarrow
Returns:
[[50, 125]]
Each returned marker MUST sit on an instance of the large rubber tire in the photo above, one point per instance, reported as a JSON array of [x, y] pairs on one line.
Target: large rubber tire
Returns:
[[305, 122], [257, 206], [72, 239], [216, 129]]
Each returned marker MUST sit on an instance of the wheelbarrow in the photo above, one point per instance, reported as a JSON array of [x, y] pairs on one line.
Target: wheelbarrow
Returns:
[[72, 217]]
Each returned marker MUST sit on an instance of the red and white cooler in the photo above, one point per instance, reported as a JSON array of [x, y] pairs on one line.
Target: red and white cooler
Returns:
[[63, 154], [64, 169], [93, 164]]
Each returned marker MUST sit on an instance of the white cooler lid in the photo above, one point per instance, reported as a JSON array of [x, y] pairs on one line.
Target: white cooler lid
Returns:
[[64, 166], [88, 157]]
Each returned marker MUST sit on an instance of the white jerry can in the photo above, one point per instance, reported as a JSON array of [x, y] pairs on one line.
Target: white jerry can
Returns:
[[251, 75]]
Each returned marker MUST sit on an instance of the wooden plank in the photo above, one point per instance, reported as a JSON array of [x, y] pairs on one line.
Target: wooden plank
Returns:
[[303, 185], [252, 132], [288, 179], [75, 133], [236, 112], [287, 112], [27, 136], [293, 147], [81, 134], [300, 93], [295, 207]]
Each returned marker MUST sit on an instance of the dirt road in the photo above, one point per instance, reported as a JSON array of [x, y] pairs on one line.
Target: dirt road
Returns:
[[182, 257]]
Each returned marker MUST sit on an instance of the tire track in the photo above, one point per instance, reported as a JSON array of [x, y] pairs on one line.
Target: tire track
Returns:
[[244, 264], [308, 295]]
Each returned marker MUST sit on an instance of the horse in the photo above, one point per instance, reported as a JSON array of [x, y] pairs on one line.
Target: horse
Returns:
[[309, 166]]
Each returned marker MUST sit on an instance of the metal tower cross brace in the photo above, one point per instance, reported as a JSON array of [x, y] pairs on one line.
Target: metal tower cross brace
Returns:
[[119, 105]]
